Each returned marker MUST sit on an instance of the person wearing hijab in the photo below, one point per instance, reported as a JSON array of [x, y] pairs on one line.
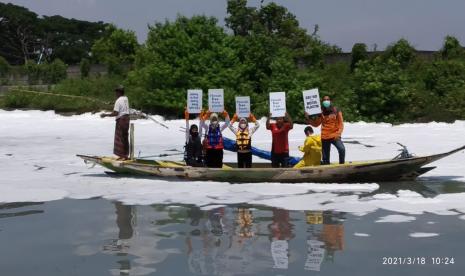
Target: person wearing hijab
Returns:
[[213, 142], [244, 139], [193, 154]]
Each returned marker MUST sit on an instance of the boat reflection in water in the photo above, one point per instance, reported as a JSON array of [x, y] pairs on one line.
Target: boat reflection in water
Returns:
[[223, 240], [325, 237]]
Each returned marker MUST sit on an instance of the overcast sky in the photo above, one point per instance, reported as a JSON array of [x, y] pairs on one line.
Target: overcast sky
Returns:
[[342, 22]]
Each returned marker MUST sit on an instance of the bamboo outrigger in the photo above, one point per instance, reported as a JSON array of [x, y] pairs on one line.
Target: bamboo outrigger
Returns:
[[351, 172]]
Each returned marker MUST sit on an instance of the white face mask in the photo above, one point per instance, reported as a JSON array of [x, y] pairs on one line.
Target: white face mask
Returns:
[[243, 126], [214, 123]]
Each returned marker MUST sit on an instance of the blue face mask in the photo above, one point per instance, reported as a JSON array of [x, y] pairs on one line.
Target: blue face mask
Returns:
[[326, 103]]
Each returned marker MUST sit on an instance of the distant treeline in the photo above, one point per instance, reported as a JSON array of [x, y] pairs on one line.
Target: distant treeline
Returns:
[[262, 50]]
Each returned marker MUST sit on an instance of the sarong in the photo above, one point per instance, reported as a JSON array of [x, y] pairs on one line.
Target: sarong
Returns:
[[121, 145]]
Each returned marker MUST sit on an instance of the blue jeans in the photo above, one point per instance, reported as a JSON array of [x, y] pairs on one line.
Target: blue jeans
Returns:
[[326, 150]]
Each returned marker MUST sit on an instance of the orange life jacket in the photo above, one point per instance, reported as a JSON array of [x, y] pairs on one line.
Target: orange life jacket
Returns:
[[243, 140]]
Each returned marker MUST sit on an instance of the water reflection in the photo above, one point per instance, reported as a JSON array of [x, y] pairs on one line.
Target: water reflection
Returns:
[[19, 205], [325, 237], [223, 240]]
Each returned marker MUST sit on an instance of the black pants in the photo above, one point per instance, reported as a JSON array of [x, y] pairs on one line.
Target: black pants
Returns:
[[326, 150], [279, 160], [244, 159], [214, 158], [194, 162]]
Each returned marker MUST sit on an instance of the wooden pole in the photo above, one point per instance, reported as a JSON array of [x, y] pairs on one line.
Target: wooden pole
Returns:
[[131, 142]]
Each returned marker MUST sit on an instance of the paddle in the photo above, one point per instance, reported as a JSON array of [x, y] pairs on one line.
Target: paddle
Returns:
[[145, 116], [162, 155]]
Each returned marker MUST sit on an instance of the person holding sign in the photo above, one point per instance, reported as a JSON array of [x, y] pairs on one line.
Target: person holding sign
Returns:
[[244, 139], [193, 154], [213, 142], [332, 125], [280, 140], [311, 149]]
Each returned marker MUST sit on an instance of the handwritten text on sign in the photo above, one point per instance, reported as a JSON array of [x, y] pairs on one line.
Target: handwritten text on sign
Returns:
[[312, 101], [243, 106], [194, 101], [216, 100], [277, 104]]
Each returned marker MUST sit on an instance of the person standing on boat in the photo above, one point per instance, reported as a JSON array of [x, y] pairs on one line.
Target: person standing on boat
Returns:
[[193, 154], [244, 139], [213, 142], [311, 149], [121, 112], [280, 140], [332, 125]]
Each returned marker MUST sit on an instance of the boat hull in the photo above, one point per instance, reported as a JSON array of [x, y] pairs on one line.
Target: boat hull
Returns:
[[353, 172]]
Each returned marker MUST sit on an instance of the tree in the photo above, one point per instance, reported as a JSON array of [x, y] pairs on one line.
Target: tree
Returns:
[[187, 53], [19, 33], [4, 67], [402, 52], [359, 52], [116, 50], [382, 89], [69, 39], [240, 17], [84, 68], [451, 48], [24, 36]]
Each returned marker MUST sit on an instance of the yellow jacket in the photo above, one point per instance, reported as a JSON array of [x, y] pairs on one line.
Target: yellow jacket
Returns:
[[312, 152]]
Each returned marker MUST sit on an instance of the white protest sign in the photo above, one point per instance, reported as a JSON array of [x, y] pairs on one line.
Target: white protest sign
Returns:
[[243, 106], [194, 101], [216, 100], [278, 104], [312, 101]]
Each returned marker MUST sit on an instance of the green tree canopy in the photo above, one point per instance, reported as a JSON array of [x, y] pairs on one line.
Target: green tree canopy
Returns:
[[359, 52], [451, 48], [117, 49]]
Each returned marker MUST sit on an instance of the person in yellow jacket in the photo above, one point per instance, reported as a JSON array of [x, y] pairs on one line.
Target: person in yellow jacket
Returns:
[[311, 150], [244, 139]]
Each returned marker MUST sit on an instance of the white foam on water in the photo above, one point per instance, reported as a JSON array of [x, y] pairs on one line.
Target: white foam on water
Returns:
[[395, 219], [38, 163], [361, 234], [423, 235]]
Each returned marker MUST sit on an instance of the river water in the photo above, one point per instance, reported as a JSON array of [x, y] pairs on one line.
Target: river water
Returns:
[[60, 217]]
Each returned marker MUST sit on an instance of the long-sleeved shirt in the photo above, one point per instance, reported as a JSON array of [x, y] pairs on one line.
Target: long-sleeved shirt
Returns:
[[222, 127], [332, 124], [251, 130]]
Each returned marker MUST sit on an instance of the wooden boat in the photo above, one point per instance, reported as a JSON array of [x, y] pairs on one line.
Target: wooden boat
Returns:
[[361, 171]]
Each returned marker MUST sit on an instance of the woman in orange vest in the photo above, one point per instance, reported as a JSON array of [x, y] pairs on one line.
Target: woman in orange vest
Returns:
[[213, 142], [332, 125], [244, 140]]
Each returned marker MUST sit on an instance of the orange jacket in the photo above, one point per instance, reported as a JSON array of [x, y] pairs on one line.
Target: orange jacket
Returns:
[[332, 124]]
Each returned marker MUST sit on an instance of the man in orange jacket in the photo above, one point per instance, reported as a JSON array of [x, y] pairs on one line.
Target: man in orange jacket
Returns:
[[332, 125]]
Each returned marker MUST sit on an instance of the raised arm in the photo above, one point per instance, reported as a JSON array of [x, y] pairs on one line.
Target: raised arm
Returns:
[[203, 125], [314, 121], [289, 120], [268, 125], [253, 120], [186, 117], [226, 121], [231, 124]]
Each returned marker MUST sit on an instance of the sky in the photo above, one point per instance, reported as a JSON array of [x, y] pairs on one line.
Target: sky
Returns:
[[424, 23]]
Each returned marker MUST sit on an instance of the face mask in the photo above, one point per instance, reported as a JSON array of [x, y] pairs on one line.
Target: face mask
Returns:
[[194, 134], [243, 126], [327, 103], [214, 123]]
